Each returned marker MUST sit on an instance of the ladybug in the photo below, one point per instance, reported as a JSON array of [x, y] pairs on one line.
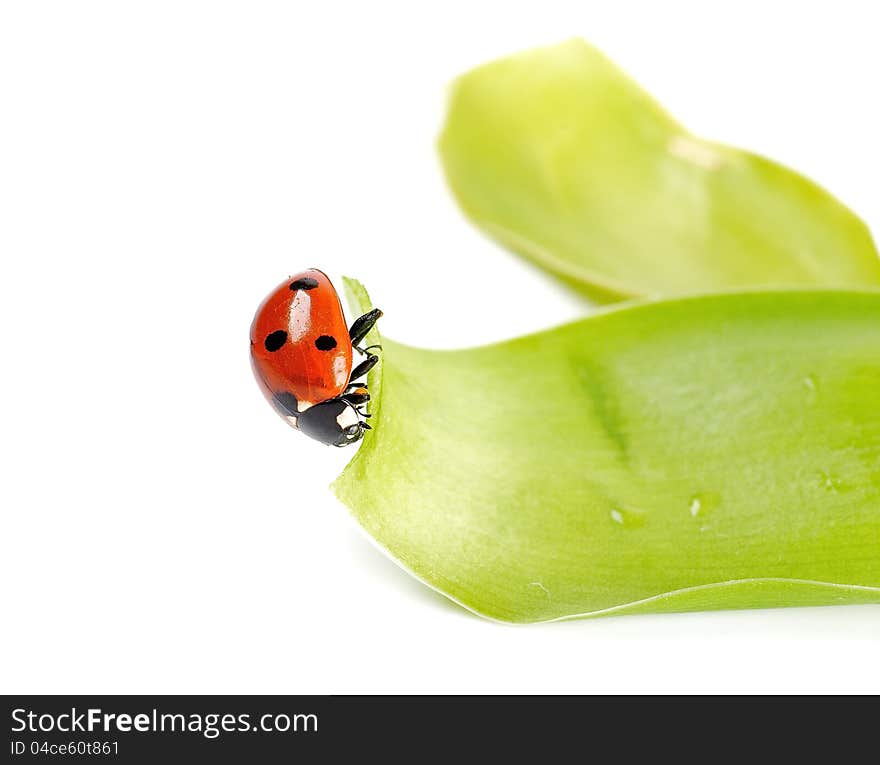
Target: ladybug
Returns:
[[301, 354]]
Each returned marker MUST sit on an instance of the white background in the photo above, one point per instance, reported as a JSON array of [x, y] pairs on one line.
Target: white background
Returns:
[[162, 166]]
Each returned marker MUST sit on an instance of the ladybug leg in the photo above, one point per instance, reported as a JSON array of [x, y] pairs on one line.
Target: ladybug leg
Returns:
[[356, 393], [365, 366], [357, 397], [363, 325]]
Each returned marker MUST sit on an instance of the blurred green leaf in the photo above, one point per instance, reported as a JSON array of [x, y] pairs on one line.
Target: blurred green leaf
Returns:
[[562, 158], [709, 452]]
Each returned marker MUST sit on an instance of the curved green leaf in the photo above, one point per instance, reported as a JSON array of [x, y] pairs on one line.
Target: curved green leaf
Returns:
[[561, 157], [710, 452]]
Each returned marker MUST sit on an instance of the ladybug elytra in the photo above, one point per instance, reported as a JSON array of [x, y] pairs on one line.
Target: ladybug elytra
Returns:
[[301, 354]]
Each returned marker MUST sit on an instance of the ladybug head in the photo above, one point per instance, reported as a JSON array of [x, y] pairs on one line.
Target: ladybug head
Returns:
[[335, 422]]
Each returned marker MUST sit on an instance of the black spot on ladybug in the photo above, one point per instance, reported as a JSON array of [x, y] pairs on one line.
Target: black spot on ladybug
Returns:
[[275, 340], [325, 343], [304, 284], [287, 403]]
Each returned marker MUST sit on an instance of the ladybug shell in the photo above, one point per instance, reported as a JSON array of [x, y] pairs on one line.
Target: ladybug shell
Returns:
[[300, 347]]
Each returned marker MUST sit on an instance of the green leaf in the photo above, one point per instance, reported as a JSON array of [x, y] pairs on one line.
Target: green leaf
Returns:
[[719, 451], [561, 157]]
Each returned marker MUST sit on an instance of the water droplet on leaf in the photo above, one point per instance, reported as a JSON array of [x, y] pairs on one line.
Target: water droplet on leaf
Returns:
[[627, 517], [703, 503], [832, 483]]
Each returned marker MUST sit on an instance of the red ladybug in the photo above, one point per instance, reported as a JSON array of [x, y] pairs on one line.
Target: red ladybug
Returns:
[[301, 354]]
